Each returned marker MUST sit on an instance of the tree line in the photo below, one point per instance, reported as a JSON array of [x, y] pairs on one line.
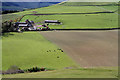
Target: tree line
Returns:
[[9, 26], [9, 11]]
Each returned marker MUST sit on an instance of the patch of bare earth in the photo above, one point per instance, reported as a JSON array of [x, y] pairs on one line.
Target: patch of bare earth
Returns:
[[88, 48]]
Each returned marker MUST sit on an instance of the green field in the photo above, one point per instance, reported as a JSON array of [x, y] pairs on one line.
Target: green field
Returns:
[[62, 8], [87, 3], [8, 17], [29, 49], [112, 8], [76, 21], [70, 73]]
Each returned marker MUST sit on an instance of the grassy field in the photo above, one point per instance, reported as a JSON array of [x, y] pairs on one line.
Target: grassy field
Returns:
[[67, 9], [112, 8], [87, 3], [8, 17], [74, 21], [62, 8], [78, 21], [70, 73], [29, 49]]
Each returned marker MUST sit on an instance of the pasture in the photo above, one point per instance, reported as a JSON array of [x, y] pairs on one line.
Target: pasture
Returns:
[[62, 8], [88, 3], [73, 21], [88, 48], [8, 17], [82, 50], [30, 49], [78, 21], [84, 19], [71, 73]]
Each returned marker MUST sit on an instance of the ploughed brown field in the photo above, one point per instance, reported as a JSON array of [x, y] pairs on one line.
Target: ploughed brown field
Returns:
[[88, 48]]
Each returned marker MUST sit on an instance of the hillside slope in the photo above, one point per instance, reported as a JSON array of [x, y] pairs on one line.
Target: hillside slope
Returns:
[[89, 19], [25, 5], [73, 8]]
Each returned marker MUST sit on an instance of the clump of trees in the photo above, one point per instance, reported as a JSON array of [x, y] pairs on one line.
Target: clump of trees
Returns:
[[16, 70], [35, 69], [9, 26], [9, 11], [13, 70]]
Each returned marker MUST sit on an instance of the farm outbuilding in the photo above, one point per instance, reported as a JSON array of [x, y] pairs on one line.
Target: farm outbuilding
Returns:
[[24, 24], [52, 21]]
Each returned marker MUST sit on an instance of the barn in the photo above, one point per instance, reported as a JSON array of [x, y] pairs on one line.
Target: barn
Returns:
[[52, 21], [24, 24]]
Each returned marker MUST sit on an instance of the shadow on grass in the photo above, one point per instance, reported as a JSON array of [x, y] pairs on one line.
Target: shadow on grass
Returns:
[[16, 70], [7, 34]]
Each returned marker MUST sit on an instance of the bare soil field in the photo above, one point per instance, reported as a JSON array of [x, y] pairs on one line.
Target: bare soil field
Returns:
[[88, 48]]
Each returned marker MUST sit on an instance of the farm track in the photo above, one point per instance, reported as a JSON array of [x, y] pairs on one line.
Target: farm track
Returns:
[[88, 48]]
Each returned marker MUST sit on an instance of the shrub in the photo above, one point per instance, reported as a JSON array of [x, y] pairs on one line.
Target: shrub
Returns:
[[13, 70], [36, 69]]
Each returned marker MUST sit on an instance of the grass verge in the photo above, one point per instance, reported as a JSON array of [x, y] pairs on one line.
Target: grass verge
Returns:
[[70, 73]]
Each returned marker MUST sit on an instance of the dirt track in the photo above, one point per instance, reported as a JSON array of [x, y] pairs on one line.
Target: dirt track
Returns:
[[88, 48]]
